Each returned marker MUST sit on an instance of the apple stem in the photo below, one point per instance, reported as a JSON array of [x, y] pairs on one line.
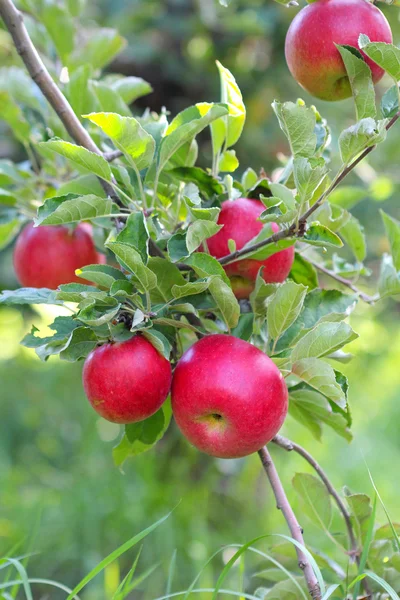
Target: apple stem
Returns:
[[294, 527]]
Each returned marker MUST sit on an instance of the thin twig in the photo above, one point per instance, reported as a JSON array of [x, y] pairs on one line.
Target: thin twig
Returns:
[[295, 229], [365, 297], [290, 446], [295, 529], [112, 155]]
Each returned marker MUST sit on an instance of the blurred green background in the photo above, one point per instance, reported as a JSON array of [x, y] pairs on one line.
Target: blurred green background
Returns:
[[60, 494]]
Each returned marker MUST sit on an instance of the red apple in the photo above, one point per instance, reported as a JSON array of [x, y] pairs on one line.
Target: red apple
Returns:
[[228, 397], [240, 223], [128, 381], [47, 256], [311, 54]]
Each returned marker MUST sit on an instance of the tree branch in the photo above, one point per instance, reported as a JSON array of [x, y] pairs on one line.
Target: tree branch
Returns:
[[110, 156], [295, 529], [365, 297], [293, 230], [290, 446], [15, 24]]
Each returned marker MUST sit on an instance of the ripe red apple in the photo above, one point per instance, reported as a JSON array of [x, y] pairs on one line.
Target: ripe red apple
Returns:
[[311, 54], [128, 381], [47, 256], [240, 223], [228, 397]]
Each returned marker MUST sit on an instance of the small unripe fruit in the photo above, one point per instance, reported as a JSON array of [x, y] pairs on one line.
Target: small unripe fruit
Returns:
[[240, 220], [311, 54], [126, 382], [228, 398], [48, 256]]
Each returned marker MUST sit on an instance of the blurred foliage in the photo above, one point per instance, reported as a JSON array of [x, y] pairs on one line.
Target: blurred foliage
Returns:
[[59, 491]]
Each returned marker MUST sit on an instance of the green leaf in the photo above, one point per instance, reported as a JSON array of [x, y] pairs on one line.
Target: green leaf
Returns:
[[168, 275], [82, 341], [99, 50], [198, 232], [122, 287], [312, 410], [228, 162], [303, 272], [225, 300], [353, 234], [347, 196], [205, 265], [79, 93], [320, 235], [76, 292], [128, 136], [10, 225], [316, 499], [269, 249], [82, 186], [390, 102], [177, 248], [389, 279], [387, 56], [103, 275], [136, 234], [285, 307], [29, 296], [108, 100], [361, 510], [131, 260], [140, 437], [244, 328], [54, 344], [56, 20], [392, 227], [361, 82], [94, 163], [324, 339], [68, 209], [97, 313], [307, 177], [320, 376], [207, 184], [186, 126], [359, 137], [191, 288], [12, 114], [232, 96], [298, 124], [131, 88], [159, 341]]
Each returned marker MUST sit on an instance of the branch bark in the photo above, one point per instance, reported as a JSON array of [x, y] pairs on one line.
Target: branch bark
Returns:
[[295, 529]]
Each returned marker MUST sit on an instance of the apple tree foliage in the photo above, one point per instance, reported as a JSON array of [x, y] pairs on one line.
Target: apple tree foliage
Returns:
[[159, 280]]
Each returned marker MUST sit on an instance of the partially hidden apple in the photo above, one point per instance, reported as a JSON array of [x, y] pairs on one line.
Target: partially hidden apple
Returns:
[[48, 256], [228, 397], [240, 220], [126, 382], [311, 54]]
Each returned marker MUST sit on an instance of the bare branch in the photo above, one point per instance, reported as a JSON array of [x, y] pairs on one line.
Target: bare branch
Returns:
[[295, 529], [110, 156], [365, 297]]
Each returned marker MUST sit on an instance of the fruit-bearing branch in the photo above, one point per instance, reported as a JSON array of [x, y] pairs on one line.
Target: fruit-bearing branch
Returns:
[[297, 229], [296, 531]]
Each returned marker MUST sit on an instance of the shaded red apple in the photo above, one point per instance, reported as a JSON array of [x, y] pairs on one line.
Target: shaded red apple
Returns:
[[240, 223], [128, 381], [311, 54], [228, 397], [47, 256]]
